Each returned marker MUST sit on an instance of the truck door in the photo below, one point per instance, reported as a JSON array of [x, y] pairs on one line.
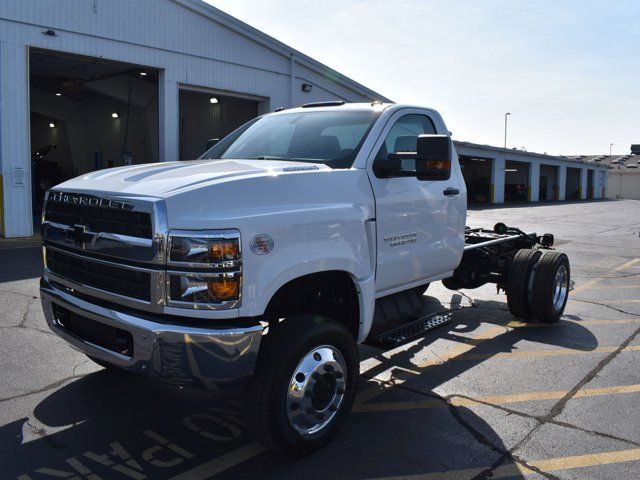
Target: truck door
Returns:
[[420, 224]]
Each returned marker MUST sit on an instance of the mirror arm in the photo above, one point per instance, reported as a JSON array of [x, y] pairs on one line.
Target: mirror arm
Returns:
[[403, 173], [392, 166]]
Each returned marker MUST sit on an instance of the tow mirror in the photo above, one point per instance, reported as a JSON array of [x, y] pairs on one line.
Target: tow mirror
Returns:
[[212, 142], [433, 157]]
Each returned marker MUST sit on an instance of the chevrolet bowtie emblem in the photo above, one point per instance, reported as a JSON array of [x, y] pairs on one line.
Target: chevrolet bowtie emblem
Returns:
[[79, 235]]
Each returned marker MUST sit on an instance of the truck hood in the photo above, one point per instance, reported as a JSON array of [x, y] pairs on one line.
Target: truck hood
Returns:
[[163, 180]]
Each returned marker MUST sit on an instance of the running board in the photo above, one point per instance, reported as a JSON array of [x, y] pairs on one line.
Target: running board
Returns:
[[410, 331]]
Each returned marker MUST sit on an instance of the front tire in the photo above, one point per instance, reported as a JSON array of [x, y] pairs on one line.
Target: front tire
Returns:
[[304, 384]]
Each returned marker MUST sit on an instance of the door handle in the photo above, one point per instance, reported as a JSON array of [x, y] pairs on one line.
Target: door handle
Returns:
[[450, 191]]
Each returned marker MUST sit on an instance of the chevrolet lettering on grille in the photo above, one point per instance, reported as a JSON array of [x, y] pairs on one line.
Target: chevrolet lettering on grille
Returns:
[[89, 200]]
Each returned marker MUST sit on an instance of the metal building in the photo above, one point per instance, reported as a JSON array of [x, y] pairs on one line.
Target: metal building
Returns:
[[88, 84], [499, 175], [624, 173]]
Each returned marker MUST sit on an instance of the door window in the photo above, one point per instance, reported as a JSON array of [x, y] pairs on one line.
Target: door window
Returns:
[[403, 137]]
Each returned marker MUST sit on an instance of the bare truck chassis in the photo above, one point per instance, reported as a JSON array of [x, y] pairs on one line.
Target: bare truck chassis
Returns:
[[522, 264]]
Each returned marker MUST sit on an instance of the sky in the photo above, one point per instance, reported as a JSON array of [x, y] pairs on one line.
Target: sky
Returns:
[[567, 71]]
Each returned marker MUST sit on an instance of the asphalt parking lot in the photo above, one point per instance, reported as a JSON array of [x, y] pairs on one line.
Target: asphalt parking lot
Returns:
[[486, 396]]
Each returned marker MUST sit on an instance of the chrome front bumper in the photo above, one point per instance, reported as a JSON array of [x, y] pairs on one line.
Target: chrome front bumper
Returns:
[[182, 355]]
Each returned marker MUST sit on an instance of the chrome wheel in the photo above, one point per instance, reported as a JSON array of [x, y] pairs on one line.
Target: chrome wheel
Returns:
[[560, 288], [316, 390]]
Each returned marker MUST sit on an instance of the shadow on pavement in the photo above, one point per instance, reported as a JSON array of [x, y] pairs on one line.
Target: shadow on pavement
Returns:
[[20, 264], [114, 425]]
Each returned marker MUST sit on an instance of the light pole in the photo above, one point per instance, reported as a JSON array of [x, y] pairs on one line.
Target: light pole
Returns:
[[610, 148], [505, 129]]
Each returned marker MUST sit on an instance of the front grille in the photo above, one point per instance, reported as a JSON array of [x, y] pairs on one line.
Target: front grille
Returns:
[[100, 219], [110, 278], [101, 334]]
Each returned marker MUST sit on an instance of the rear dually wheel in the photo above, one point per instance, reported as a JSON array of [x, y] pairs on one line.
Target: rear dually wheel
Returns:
[[550, 288], [519, 282]]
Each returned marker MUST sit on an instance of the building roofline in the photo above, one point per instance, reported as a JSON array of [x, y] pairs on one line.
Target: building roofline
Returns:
[[246, 30], [524, 152]]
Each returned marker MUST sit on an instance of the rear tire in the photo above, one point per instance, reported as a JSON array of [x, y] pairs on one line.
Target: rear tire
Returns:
[[519, 280], [550, 290], [304, 384]]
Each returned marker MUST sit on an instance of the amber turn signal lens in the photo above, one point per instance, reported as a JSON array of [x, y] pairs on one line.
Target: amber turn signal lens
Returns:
[[215, 252], [439, 165], [223, 250], [230, 250], [223, 290]]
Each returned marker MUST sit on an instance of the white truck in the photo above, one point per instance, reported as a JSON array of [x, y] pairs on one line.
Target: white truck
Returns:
[[265, 262]]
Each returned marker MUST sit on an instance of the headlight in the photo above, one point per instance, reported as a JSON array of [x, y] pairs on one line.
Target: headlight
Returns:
[[194, 288], [204, 250], [204, 269]]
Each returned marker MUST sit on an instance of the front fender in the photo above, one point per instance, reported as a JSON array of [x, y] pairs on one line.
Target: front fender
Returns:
[[319, 221], [312, 241]]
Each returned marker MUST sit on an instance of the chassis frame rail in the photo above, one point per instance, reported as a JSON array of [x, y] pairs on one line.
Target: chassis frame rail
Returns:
[[488, 254]]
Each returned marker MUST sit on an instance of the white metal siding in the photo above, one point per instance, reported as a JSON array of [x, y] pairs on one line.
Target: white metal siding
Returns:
[[165, 34], [190, 42], [14, 139], [624, 184]]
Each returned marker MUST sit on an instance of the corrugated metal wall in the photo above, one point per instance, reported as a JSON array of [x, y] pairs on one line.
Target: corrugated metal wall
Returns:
[[164, 34], [189, 42], [14, 141], [624, 184]]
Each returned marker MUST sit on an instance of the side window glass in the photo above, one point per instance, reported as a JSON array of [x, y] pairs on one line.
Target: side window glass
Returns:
[[403, 137]]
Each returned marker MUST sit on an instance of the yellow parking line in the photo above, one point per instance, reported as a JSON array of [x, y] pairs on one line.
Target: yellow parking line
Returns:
[[614, 286], [542, 353], [548, 465], [595, 281], [604, 300], [458, 353], [493, 399], [222, 463], [521, 324], [372, 392]]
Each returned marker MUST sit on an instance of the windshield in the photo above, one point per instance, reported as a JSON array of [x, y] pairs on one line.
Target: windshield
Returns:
[[332, 138]]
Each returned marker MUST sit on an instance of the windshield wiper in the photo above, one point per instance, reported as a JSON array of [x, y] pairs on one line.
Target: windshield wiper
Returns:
[[292, 159], [311, 160]]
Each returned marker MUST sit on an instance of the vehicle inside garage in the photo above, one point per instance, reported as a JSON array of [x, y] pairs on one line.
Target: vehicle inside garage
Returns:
[[205, 116], [573, 184], [477, 177], [87, 114], [549, 190], [516, 181]]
